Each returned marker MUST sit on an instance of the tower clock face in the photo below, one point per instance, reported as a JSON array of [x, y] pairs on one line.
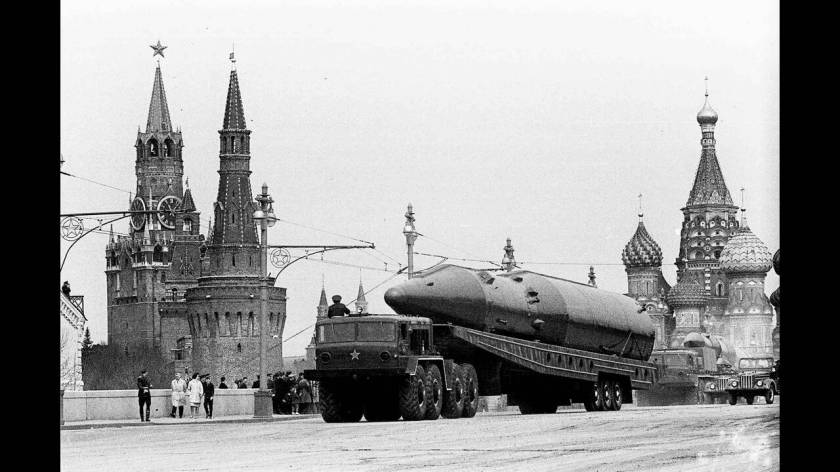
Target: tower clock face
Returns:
[[166, 211], [138, 219]]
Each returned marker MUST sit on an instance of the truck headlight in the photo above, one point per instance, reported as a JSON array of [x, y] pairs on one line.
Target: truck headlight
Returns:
[[734, 383], [759, 383], [710, 386]]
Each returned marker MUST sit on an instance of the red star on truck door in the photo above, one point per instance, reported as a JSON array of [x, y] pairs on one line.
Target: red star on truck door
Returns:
[[354, 355]]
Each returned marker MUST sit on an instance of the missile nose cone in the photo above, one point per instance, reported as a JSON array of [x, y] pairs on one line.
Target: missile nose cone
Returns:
[[396, 297]]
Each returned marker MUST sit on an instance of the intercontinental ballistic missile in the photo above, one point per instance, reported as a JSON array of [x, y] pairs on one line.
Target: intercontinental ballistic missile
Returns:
[[530, 306]]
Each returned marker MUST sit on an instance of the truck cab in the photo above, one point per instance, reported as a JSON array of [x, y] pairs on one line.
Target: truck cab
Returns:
[[386, 367], [677, 367], [372, 345], [756, 377]]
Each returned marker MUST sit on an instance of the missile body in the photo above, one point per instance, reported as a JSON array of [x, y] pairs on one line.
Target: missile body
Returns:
[[530, 306]]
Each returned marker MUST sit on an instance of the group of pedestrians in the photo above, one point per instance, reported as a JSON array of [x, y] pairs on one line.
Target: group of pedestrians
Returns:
[[199, 390], [292, 395]]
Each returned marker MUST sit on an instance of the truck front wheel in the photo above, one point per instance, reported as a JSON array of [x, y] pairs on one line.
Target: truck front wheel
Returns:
[[769, 395], [339, 405], [434, 404], [609, 394], [750, 399], [470, 390], [453, 400], [733, 399], [413, 399]]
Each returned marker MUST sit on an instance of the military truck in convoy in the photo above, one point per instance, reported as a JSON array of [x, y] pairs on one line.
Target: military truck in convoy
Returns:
[[756, 377], [695, 373], [460, 333]]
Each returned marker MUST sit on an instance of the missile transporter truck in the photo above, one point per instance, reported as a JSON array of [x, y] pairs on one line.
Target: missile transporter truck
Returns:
[[756, 377], [461, 333]]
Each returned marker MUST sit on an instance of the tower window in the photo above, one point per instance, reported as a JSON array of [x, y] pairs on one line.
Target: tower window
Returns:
[[153, 148], [233, 217], [717, 254], [238, 347], [233, 145], [719, 289], [187, 225], [168, 148], [242, 143], [233, 259]]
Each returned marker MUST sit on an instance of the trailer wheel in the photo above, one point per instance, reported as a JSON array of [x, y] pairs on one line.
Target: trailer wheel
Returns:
[[413, 396], [617, 393], [769, 395], [595, 398], [470, 390], [453, 400], [733, 399], [708, 398], [434, 385], [750, 399], [607, 389], [338, 405]]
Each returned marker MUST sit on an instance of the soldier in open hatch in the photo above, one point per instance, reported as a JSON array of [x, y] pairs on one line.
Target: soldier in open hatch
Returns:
[[337, 308]]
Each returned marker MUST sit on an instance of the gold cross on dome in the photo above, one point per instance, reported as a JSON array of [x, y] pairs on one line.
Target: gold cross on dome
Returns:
[[158, 49]]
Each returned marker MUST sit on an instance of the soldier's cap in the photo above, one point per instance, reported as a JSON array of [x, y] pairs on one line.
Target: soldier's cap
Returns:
[[336, 298]]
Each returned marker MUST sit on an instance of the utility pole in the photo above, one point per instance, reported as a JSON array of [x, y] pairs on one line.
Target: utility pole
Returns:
[[410, 236]]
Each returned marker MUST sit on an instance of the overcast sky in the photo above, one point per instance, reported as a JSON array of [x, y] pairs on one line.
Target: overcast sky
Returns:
[[540, 122]]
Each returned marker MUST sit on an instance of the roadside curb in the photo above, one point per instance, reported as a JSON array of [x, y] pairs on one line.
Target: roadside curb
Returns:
[[170, 422]]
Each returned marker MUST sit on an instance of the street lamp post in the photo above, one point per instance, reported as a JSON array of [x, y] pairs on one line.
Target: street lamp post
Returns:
[[410, 236], [266, 218]]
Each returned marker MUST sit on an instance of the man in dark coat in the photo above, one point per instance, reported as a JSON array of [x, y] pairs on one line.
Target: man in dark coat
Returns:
[[222, 384], [256, 383], [144, 393], [337, 308], [208, 396], [281, 391]]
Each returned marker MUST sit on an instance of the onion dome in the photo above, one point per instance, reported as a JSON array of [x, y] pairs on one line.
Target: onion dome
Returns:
[[707, 115], [745, 253], [776, 298], [686, 293], [641, 250], [776, 263]]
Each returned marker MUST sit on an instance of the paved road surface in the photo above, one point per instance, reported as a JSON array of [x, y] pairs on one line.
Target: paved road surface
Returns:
[[674, 438]]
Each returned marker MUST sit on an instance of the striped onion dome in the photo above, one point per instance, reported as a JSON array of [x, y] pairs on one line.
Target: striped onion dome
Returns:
[[745, 253], [707, 114], [641, 250], [686, 293]]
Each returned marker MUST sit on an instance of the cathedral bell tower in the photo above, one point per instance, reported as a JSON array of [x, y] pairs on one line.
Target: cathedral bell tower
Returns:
[[709, 220]]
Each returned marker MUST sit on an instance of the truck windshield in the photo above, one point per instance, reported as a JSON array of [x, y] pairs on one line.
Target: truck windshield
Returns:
[[337, 333], [377, 331], [755, 363], [676, 360]]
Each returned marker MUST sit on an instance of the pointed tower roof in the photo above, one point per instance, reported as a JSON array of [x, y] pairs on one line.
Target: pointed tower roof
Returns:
[[158, 108], [187, 203], [709, 187], [323, 300], [234, 113], [360, 297]]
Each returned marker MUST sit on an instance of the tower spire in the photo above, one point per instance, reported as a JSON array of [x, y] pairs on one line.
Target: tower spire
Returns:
[[234, 113], [709, 186], [641, 213], [158, 120]]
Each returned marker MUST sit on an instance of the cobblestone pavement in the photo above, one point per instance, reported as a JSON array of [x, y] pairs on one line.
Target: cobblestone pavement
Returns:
[[673, 438]]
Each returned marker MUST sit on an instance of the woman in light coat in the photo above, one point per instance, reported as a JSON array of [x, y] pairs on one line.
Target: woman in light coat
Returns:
[[179, 388], [196, 393]]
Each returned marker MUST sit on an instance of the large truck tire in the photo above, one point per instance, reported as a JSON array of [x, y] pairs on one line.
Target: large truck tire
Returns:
[[708, 399], [434, 386], [617, 393], [733, 399], [750, 399], [382, 403], [338, 405], [470, 390], [413, 399], [453, 400], [769, 395], [594, 399], [607, 388]]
